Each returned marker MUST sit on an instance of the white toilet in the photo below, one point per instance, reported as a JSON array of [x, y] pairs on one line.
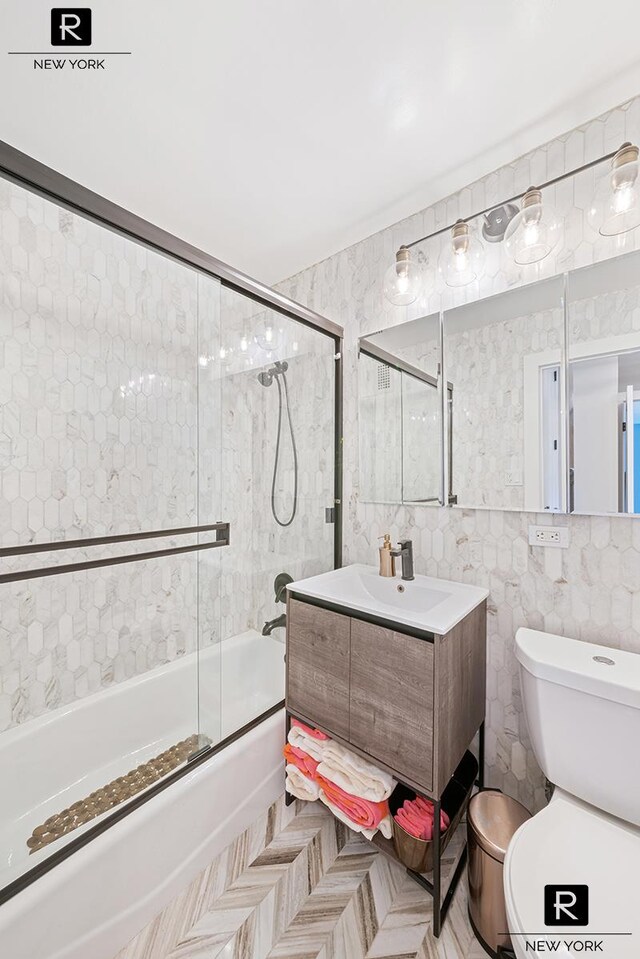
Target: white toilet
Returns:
[[582, 706]]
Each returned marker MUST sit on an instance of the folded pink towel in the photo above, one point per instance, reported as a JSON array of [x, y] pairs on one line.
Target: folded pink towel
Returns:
[[416, 817], [308, 730], [297, 757], [364, 812]]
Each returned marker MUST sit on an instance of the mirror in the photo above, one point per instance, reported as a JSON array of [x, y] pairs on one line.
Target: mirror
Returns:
[[542, 402], [400, 416], [603, 336], [503, 358]]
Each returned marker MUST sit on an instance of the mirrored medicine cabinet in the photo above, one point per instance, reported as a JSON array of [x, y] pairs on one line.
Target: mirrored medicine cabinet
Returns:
[[528, 400]]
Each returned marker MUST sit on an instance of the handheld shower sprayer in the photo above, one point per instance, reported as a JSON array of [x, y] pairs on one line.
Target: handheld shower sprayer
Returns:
[[278, 372]]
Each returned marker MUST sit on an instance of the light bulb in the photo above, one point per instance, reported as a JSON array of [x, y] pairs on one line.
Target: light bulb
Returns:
[[622, 199], [616, 203], [534, 232], [403, 279], [223, 352], [462, 260], [531, 235], [267, 338], [243, 344]]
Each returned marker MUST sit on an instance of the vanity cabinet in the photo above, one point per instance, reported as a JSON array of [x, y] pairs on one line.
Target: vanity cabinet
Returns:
[[410, 702], [318, 655], [391, 698]]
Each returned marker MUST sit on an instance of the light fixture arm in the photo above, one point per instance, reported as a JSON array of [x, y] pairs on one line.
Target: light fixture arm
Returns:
[[518, 196]]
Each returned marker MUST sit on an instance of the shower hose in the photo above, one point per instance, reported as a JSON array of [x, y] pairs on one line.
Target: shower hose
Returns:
[[284, 401]]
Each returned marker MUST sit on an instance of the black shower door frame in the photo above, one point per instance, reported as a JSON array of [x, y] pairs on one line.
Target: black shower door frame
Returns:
[[42, 180]]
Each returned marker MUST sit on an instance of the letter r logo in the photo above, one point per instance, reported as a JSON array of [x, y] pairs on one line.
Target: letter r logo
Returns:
[[566, 905], [71, 27]]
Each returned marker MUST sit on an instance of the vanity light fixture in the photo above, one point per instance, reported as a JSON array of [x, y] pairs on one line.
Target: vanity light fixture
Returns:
[[616, 203], [534, 233], [461, 261], [403, 279], [496, 222]]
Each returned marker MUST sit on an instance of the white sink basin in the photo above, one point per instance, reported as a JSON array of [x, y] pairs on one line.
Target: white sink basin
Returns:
[[425, 603]]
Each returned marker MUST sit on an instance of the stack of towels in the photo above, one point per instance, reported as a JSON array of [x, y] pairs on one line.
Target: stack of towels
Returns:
[[416, 817], [356, 792]]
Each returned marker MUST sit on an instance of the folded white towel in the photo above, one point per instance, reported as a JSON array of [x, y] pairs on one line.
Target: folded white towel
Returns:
[[353, 774], [299, 785], [385, 826], [314, 747]]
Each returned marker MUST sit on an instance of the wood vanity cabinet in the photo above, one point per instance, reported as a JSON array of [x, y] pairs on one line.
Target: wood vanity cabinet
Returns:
[[318, 655], [409, 702]]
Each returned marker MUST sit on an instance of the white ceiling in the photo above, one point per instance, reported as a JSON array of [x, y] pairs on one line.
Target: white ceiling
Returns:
[[273, 133]]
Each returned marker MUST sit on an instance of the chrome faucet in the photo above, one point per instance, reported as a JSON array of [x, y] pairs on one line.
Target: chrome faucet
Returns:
[[405, 552]]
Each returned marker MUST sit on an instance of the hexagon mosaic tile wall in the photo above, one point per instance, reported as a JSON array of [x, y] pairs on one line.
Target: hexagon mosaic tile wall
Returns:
[[129, 401], [590, 590]]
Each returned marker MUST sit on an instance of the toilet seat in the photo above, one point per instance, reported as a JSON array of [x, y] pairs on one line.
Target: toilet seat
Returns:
[[574, 843]]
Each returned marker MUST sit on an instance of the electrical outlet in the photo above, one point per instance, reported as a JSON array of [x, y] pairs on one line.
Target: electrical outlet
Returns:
[[557, 536]]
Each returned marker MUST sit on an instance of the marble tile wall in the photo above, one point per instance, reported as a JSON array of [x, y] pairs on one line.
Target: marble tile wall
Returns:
[[485, 366], [589, 590], [98, 436], [129, 401], [260, 547]]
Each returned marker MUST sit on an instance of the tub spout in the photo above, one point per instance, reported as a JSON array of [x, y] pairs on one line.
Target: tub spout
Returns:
[[272, 624]]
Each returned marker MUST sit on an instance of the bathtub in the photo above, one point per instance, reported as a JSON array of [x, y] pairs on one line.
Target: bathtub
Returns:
[[95, 901]]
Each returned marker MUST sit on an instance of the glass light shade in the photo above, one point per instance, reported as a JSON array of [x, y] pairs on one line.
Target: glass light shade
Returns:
[[268, 337], [616, 204], [403, 280], [462, 260], [534, 232]]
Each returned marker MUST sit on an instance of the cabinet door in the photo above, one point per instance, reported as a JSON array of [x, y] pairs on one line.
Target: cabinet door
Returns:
[[318, 666], [392, 699]]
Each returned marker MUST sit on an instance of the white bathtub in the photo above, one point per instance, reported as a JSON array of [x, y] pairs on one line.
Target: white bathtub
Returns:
[[92, 903]]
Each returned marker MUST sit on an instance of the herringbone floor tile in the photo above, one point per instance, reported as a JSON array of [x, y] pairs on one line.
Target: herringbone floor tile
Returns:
[[299, 885]]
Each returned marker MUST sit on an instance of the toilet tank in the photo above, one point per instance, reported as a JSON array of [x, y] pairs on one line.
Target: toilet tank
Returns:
[[582, 706]]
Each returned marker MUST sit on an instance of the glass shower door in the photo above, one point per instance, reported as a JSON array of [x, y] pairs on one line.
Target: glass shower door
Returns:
[[105, 493], [276, 381]]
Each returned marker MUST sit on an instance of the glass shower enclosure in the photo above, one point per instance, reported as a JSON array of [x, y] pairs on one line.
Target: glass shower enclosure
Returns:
[[169, 441]]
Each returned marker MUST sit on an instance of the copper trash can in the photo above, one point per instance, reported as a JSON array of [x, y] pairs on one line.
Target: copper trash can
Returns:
[[492, 819]]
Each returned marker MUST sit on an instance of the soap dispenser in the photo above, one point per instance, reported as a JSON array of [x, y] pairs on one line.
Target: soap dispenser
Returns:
[[387, 559]]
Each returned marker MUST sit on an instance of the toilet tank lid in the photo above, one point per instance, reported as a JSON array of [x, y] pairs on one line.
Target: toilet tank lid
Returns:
[[612, 674]]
